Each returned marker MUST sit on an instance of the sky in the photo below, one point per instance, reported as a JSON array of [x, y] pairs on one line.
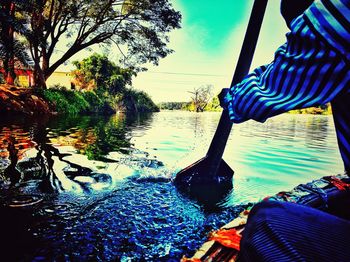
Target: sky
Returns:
[[207, 46]]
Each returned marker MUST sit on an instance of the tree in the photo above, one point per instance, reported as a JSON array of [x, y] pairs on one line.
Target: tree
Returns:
[[107, 76], [139, 28], [172, 105], [136, 101], [214, 105], [11, 49], [201, 97]]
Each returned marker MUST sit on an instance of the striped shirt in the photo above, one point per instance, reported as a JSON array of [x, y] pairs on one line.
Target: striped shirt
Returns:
[[311, 69]]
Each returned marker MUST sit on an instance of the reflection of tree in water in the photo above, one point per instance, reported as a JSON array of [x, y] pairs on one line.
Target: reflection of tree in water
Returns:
[[43, 158], [15, 139], [110, 137], [11, 171], [135, 120], [40, 167], [94, 136]]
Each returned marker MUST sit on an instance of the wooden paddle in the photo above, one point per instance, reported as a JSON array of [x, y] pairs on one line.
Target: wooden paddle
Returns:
[[212, 169]]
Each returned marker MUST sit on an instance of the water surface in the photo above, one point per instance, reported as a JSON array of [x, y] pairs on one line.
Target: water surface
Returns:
[[100, 188]]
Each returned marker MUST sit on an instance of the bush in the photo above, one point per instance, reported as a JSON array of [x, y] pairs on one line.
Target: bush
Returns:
[[73, 102], [65, 101], [144, 103], [57, 99], [136, 101], [320, 110], [95, 103]]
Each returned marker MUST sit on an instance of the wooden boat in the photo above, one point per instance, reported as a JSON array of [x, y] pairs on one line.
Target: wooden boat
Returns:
[[329, 194]]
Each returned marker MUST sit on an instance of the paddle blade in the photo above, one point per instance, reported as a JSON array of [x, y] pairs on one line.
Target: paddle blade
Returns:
[[195, 182], [197, 174]]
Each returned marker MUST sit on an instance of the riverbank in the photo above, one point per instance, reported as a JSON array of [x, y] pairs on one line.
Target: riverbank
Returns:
[[215, 107], [16, 100], [28, 101]]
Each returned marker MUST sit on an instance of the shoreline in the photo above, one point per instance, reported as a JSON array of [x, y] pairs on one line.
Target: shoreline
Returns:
[[18, 100]]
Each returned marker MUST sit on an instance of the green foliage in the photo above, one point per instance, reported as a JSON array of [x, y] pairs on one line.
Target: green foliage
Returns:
[[136, 101], [107, 75], [95, 103], [201, 97], [144, 102], [73, 102], [139, 28], [99, 135], [111, 137], [76, 102], [58, 100], [189, 106], [111, 81], [172, 105], [214, 105], [320, 110]]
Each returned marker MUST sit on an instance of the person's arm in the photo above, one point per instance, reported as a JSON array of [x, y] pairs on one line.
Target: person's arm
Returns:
[[305, 73]]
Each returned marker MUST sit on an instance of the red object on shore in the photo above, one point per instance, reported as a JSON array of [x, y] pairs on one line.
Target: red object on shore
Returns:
[[21, 72]]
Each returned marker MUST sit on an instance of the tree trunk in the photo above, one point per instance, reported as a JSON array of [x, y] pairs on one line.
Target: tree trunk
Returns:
[[38, 77], [38, 49], [45, 62]]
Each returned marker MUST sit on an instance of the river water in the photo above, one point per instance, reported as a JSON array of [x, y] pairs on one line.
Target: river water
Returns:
[[99, 188]]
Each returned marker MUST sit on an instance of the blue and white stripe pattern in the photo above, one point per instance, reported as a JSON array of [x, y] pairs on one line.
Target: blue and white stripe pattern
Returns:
[[330, 19], [281, 231], [311, 69]]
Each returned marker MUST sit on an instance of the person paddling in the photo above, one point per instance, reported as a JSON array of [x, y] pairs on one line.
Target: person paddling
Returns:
[[312, 68]]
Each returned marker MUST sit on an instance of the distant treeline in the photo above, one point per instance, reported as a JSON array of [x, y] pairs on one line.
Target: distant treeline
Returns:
[[319, 110], [214, 105], [173, 105]]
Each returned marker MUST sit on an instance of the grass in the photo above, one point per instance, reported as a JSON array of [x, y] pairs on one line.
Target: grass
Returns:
[[79, 102], [73, 102]]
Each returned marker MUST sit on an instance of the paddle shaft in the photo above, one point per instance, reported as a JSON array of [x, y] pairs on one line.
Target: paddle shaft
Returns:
[[223, 130]]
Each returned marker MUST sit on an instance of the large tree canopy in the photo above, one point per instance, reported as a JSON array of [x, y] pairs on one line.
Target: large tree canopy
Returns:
[[138, 27], [107, 76]]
